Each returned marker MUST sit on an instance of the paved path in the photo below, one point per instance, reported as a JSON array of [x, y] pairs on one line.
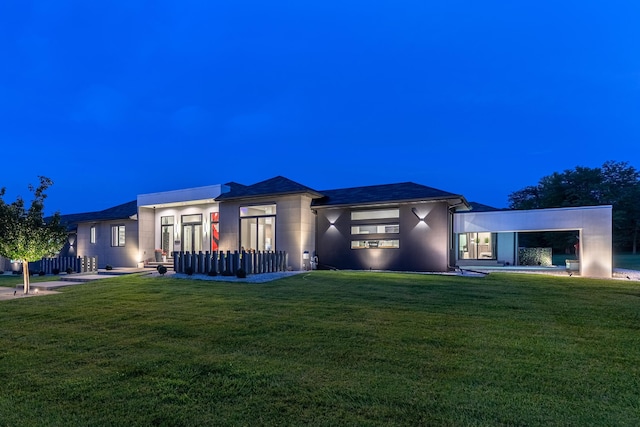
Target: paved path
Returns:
[[48, 288]]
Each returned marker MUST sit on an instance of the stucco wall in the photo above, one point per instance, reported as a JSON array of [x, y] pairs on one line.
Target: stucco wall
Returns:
[[124, 256], [423, 243], [229, 226], [295, 228], [295, 225], [146, 227]]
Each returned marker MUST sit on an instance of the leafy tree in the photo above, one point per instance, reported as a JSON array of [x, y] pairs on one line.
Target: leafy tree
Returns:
[[615, 183], [24, 234]]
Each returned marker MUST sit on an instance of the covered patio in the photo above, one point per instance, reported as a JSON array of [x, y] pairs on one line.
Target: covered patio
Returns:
[[593, 223]]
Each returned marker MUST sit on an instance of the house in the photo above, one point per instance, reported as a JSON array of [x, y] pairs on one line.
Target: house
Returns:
[[403, 227], [111, 235]]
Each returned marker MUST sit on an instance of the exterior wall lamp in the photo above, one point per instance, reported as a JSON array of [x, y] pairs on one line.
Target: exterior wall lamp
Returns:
[[421, 218]]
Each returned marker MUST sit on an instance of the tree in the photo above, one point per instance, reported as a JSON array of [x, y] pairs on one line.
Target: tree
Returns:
[[615, 183], [25, 236]]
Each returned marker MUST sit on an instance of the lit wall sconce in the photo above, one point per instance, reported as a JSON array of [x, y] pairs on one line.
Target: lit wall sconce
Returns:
[[420, 217]]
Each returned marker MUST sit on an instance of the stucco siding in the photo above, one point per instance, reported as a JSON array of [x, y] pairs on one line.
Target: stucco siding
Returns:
[[118, 256]]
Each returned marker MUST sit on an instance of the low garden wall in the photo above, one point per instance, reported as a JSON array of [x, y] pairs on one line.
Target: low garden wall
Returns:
[[535, 256]]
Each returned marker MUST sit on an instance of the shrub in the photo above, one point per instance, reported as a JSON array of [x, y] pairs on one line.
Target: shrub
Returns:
[[108, 267], [56, 271], [16, 272], [241, 274], [69, 270], [162, 270], [227, 273], [212, 272], [1, 272], [41, 273], [188, 271]]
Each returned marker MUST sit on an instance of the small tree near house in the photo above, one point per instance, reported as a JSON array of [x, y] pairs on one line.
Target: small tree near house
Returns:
[[24, 234]]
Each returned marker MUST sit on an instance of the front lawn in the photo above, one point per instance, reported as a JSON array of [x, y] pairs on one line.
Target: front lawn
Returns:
[[325, 348]]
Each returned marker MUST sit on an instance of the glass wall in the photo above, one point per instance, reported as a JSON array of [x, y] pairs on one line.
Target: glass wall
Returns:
[[258, 228], [477, 246]]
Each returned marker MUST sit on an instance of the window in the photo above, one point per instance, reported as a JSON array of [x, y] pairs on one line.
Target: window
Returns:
[[215, 231], [375, 214], [192, 233], [375, 221], [375, 244], [258, 227], [376, 229], [477, 246], [117, 235], [260, 210], [166, 234], [92, 234]]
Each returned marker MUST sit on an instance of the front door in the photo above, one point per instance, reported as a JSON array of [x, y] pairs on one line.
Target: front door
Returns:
[[192, 233]]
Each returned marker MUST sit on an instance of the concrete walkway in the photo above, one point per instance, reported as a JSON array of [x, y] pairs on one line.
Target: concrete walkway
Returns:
[[48, 288]]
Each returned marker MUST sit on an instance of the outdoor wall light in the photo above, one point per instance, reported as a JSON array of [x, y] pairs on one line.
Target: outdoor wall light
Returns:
[[415, 212]]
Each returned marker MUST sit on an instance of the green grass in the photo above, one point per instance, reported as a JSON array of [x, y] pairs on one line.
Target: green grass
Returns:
[[325, 348]]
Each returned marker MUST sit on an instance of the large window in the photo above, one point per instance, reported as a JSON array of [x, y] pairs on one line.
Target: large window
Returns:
[[375, 223], [376, 229], [375, 244], [117, 235], [258, 227], [215, 231], [375, 214], [166, 234], [192, 233], [477, 246]]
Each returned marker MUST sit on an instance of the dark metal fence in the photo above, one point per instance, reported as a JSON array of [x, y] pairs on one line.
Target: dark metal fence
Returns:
[[228, 263]]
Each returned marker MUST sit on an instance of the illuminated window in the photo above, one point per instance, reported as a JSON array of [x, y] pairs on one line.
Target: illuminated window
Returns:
[[376, 229], [477, 246], [192, 233], [375, 244], [375, 214], [215, 231], [166, 233], [260, 210], [117, 235], [258, 228], [92, 234]]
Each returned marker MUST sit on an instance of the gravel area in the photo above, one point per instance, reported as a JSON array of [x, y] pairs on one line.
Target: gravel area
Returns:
[[251, 278]]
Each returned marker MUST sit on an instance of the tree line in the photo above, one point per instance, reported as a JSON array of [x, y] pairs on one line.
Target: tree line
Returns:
[[614, 183]]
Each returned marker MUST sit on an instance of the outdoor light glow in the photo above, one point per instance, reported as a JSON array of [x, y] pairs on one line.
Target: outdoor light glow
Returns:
[[332, 217]]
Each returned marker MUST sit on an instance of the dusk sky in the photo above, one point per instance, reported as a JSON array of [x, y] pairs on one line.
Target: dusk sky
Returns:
[[118, 98]]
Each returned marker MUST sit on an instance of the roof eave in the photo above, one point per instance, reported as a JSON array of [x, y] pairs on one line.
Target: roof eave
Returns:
[[462, 202], [226, 198]]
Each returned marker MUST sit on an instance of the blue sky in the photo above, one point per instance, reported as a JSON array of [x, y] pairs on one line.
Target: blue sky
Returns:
[[114, 99]]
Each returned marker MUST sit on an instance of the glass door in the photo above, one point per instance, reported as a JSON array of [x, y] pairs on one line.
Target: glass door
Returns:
[[192, 233]]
